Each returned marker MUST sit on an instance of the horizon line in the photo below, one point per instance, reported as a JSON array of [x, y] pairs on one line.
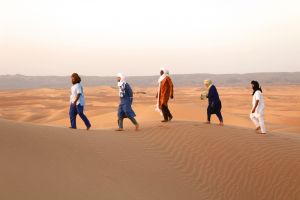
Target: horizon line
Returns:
[[150, 75]]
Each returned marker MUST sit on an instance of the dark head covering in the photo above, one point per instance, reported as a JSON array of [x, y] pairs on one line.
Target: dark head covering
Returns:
[[255, 87]]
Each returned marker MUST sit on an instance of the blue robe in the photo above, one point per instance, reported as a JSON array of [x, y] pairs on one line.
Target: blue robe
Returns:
[[126, 99], [214, 103], [213, 98]]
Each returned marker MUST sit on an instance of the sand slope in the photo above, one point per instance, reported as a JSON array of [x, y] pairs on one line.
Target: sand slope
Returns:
[[50, 106], [181, 160]]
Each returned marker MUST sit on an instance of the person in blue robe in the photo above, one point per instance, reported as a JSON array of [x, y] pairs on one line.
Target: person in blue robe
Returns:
[[214, 102], [125, 107]]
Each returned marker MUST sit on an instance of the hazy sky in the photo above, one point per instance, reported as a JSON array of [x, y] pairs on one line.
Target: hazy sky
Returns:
[[137, 37]]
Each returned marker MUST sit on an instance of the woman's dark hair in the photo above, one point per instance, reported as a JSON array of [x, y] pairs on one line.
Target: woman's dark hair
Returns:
[[76, 77], [255, 87]]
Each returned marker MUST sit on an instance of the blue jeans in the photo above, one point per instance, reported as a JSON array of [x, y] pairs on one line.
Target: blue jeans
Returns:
[[78, 109]]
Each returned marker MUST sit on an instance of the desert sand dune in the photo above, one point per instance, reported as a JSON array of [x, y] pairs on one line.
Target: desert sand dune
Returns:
[[184, 159], [50, 106], [180, 160]]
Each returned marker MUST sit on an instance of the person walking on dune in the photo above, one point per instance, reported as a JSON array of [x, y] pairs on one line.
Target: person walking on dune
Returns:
[[165, 91], [77, 102], [214, 102], [258, 107], [126, 100]]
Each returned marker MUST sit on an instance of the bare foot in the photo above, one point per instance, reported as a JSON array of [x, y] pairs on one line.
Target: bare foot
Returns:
[[261, 133], [221, 124], [207, 122], [257, 129], [164, 121], [137, 127], [119, 129]]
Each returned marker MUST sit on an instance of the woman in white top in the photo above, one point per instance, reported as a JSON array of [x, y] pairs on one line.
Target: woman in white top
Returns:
[[258, 108], [77, 102]]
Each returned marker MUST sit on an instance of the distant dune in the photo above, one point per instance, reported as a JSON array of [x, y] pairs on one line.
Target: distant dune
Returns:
[[50, 106], [26, 82]]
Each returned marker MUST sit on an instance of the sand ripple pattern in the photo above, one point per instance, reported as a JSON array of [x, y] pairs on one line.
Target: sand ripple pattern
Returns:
[[228, 162]]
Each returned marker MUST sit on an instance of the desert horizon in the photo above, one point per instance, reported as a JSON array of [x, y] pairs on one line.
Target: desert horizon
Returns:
[[41, 158], [149, 100], [10, 82]]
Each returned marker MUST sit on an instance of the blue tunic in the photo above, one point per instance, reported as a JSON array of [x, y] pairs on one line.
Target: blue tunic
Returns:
[[214, 102], [126, 99]]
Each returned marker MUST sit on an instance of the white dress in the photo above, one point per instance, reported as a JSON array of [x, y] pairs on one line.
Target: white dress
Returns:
[[258, 116], [260, 110]]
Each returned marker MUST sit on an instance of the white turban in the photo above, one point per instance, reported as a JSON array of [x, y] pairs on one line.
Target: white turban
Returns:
[[207, 82], [165, 70], [122, 81], [121, 76], [162, 77]]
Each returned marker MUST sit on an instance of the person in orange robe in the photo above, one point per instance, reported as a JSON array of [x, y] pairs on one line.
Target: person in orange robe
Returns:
[[165, 92]]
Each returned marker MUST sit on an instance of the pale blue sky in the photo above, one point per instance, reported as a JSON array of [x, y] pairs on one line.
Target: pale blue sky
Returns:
[[136, 37]]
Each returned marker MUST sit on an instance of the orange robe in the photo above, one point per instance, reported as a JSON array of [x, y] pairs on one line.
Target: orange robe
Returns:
[[165, 91]]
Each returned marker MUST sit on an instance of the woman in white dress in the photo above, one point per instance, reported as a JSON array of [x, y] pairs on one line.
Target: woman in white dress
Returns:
[[258, 108]]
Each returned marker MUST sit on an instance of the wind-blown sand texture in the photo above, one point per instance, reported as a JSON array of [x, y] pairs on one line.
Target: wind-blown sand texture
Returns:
[[182, 160]]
